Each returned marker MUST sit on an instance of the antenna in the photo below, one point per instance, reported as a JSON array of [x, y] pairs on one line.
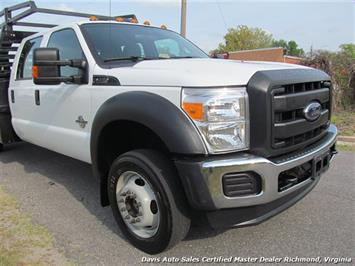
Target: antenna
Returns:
[[110, 8], [183, 18], [221, 13]]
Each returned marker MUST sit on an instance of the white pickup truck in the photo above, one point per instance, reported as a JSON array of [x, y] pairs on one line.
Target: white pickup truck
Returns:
[[171, 133]]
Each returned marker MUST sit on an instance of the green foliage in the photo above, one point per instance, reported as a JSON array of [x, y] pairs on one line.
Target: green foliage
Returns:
[[290, 47], [280, 43], [348, 49], [346, 147], [345, 122], [245, 38], [23, 242], [340, 65], [341, 68]]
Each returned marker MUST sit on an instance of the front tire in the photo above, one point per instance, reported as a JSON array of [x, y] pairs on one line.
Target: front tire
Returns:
[[147, 200], [1, 147]]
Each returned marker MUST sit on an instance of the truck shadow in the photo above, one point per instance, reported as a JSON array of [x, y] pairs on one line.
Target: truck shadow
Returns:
[[77, 178]]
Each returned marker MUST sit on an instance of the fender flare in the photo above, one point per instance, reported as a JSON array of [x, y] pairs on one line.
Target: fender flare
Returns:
[[153, 111]]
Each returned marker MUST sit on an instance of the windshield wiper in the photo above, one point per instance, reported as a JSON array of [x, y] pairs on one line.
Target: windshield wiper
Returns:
[[138, 58], [180, 57], [131, 58]]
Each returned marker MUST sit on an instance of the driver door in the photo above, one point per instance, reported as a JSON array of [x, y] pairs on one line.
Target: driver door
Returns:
[[65, 108]]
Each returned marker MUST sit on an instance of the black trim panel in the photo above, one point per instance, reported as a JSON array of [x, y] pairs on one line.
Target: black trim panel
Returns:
[[253, 215], [297, 100], [260, 101], [103, 80], [288, 129], [37, 98], [241, 184], [152, 111], [195, 186], [12, 96]]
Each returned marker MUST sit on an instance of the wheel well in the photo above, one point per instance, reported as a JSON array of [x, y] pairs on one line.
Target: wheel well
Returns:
[[119, 137]]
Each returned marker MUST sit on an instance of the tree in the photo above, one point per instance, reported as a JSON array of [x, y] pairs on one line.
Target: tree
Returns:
[[280, 43], [348, 60], [290, 47], [245, 38], [341, 68], [348, 49], [345, 62], [294, 50]]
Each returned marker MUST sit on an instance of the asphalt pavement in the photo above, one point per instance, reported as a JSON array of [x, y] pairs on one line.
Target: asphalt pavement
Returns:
[[61, 194]]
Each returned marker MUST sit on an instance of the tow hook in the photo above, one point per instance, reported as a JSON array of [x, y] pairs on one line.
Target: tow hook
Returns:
[[333, 152], [291, 181]]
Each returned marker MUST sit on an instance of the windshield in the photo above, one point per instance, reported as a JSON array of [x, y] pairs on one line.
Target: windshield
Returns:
[[116, 42]]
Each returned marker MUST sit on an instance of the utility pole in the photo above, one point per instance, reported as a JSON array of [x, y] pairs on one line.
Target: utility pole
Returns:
[[183, 18]]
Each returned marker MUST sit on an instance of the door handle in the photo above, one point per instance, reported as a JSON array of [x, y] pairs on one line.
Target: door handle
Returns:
[[37, 97], [12, 96]]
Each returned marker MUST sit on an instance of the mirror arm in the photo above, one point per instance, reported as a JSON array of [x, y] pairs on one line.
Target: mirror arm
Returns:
[[78, 79], [78, 63], [57, 79]]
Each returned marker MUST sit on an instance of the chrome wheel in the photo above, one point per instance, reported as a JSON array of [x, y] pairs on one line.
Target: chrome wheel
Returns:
[[137, 204]]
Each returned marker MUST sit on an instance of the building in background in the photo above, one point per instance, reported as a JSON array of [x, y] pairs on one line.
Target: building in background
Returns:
[[266, 54]]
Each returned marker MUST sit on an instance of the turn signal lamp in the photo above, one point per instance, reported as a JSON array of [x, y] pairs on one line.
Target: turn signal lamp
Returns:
[[93, 18], [35, 72], [194, 110], [134, 20]]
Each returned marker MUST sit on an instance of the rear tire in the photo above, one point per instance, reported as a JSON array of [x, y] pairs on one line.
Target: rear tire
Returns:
[[1, 147], [145, 176]]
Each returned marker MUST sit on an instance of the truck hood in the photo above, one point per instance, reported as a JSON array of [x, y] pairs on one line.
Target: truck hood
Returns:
[[190, 72]]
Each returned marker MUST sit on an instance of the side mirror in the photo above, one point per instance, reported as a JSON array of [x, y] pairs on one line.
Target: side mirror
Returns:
[[46, 68]]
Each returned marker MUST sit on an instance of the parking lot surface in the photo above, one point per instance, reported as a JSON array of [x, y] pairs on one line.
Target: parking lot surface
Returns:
[[61, 194]]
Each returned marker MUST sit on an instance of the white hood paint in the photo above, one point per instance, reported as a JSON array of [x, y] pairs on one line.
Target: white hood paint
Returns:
[[190, 72]]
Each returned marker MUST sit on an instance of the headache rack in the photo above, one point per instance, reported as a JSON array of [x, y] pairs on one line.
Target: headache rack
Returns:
[[9, 42]]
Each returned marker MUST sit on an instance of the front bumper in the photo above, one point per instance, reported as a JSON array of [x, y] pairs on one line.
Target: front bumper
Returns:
[[202, 181]]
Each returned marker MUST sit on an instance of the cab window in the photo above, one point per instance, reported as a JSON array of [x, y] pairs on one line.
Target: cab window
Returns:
[[69, 48]]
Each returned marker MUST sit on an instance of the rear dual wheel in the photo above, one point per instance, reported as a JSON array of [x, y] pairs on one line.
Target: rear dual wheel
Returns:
[[147, 200]]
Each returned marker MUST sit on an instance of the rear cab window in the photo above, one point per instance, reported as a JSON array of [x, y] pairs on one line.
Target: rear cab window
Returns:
[[167, 48]]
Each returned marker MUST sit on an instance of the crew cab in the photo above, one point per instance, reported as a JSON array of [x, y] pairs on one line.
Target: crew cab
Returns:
[[171, 134]]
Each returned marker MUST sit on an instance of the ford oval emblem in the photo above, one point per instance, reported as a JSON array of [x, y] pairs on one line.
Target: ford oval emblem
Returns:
[[312, 111]]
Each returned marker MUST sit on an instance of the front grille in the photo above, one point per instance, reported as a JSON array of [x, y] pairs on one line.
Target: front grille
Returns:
[[301, 87], [289, 126], [276, 102]]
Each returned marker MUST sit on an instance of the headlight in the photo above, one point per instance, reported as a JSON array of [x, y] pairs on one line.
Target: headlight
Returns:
[[221, 115]]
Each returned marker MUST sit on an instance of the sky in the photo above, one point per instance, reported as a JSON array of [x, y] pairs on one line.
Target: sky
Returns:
[[318, 24]]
